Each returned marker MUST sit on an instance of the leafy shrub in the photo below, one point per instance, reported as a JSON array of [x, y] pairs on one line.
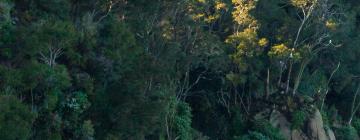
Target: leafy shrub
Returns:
[[253, 135], [298, 119], [356, 124], [263, 126], [239, 126], [15, 119], [196, 135], [183, 121], [345, 133]]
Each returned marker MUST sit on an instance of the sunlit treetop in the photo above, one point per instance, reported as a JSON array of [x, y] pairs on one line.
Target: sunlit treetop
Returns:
[[281, 51], [331, 24], [241, 13], [220, 5], [207, 11], [263, 42], [303, 3]]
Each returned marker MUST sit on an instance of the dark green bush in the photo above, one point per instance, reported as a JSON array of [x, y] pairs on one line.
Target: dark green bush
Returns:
[[15, 119], [263, 126], [298, 119], [356, 124], [346, 133], [253, 135]]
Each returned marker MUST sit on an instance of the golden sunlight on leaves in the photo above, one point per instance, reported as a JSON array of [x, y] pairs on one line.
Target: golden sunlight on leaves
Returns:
[[301, 3], [331, 24], [279, 50], [220, 5], [198, 16], [241, 13], [202, 1], [263, 42], [211, 18]]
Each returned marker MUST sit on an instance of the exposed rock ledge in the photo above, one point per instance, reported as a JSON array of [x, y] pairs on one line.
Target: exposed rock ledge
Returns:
[[315, 128]]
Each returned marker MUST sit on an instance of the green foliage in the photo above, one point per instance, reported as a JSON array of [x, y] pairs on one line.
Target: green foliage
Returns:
[[253, 135], [183, 121], [298, 119], [346, 133], [239, 125], [87, 130], [356, 125], [134, 69], [314, 83], [11, 80], [196, 135], [5, 9], [48, 36], [264, 127], [15, 119], [77, 102], [326, 119]]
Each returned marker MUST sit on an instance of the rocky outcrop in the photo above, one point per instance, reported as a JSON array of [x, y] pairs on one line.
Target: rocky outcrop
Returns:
[[298, 135], [278, 120], [330, 134], [315, 128]]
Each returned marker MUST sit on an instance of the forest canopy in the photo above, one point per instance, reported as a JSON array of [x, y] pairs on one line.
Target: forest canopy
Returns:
[[179, 69]]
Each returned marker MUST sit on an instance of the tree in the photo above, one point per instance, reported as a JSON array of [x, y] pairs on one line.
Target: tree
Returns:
[[16, 119]]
